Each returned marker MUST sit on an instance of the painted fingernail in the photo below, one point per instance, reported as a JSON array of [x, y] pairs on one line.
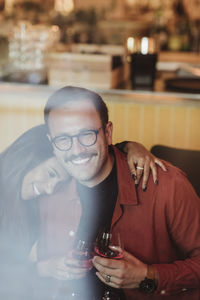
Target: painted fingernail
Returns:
[[133, 176], [136, 185], [144, 189], [156, 182]]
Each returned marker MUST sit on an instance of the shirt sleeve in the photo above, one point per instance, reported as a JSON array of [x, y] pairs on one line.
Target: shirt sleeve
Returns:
[[183, 218]]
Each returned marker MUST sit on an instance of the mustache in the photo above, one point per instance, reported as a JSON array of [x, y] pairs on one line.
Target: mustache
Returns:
[[80, 156]]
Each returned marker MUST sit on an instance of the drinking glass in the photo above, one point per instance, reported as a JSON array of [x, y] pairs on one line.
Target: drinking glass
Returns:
[[109, 245], [83, 253]]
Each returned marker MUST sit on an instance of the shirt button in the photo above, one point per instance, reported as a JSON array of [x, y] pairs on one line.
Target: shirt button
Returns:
[[163, 292], [71, 233]]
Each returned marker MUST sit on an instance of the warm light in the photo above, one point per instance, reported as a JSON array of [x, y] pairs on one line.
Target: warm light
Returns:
[[130, 44], [130, 2], [64, 6], [144, 45], [9, 5]]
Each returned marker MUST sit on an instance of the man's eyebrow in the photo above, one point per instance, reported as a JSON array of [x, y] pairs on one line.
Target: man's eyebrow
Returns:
[[67, 134], [86, 129]]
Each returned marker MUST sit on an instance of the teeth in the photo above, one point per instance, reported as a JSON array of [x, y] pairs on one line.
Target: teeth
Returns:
[[80, 161]]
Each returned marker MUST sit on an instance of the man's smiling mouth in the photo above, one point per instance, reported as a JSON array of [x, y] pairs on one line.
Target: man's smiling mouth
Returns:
[[80, 161]]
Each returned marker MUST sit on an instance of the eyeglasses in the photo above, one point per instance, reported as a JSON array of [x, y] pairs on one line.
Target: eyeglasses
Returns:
[[86, 138]]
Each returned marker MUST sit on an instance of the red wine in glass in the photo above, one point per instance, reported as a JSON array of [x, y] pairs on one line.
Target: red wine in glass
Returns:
[[105, 247], [105, 244], [82, 251]]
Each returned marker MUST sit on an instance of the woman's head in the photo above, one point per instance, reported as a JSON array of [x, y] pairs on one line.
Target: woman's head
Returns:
[[28, 161], [43, 179]]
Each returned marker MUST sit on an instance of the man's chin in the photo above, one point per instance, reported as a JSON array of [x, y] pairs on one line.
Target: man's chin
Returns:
[[81, 174], [83, 179]]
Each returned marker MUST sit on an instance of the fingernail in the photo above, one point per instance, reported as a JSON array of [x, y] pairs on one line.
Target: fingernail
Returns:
[[156, 182], [144, 189], [133, 176], [136, 185]]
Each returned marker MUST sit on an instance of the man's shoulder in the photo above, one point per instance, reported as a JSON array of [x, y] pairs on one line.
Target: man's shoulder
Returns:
[[174, 187], [173, 173]]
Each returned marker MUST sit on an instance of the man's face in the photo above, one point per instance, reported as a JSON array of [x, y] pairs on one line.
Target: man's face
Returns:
[[88, 164]]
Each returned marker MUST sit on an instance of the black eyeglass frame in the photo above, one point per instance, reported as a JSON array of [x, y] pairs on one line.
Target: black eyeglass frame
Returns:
[[71, 137]]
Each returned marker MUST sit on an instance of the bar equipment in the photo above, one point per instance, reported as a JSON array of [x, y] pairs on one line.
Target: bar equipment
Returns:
[[28, 46], [142, 57]]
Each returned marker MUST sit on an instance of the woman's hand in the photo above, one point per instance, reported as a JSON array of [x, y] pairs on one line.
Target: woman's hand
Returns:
[[60, 268], [141, 162]]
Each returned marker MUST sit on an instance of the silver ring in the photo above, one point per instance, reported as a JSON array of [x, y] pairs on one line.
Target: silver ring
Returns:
[[139, 168], [108, 278]]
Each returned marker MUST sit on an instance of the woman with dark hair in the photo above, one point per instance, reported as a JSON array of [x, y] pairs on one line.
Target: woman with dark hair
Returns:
[[28, 151], [19, 220]]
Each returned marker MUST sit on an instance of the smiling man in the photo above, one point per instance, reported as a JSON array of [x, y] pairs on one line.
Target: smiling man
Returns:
[[81, 141], [160, 228]]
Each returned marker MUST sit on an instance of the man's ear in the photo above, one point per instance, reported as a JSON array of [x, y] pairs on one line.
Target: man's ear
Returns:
[[108, 132]]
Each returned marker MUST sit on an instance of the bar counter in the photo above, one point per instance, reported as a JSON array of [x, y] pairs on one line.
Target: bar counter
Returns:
[[151, 118]]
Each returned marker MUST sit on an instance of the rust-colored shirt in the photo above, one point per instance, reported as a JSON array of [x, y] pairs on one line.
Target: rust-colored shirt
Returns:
[[160, 226]]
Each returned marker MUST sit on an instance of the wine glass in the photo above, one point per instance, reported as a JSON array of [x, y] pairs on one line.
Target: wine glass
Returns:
[[109, 245], [83, 252], [81, 249]]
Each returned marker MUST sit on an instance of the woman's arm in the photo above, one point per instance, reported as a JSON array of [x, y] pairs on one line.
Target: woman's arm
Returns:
[[141, 162]]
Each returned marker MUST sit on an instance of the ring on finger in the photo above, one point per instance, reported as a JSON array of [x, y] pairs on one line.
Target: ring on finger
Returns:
[[139, 168], [108, 277]]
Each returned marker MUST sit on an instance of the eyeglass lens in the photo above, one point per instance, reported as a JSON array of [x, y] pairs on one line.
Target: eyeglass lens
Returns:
[[87, 138]]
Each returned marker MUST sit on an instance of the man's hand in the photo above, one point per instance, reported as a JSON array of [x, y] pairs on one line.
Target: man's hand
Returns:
[[126, 273], [61, 268], [141, 161]]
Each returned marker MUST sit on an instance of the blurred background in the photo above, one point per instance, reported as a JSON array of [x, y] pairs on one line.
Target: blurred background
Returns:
[[143, 56]]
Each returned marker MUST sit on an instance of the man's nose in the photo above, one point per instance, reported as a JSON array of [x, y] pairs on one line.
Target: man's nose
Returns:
[[77, 148]]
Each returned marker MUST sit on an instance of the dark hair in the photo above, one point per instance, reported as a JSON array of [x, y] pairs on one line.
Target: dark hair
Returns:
[[28, 151], [70, 93]]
